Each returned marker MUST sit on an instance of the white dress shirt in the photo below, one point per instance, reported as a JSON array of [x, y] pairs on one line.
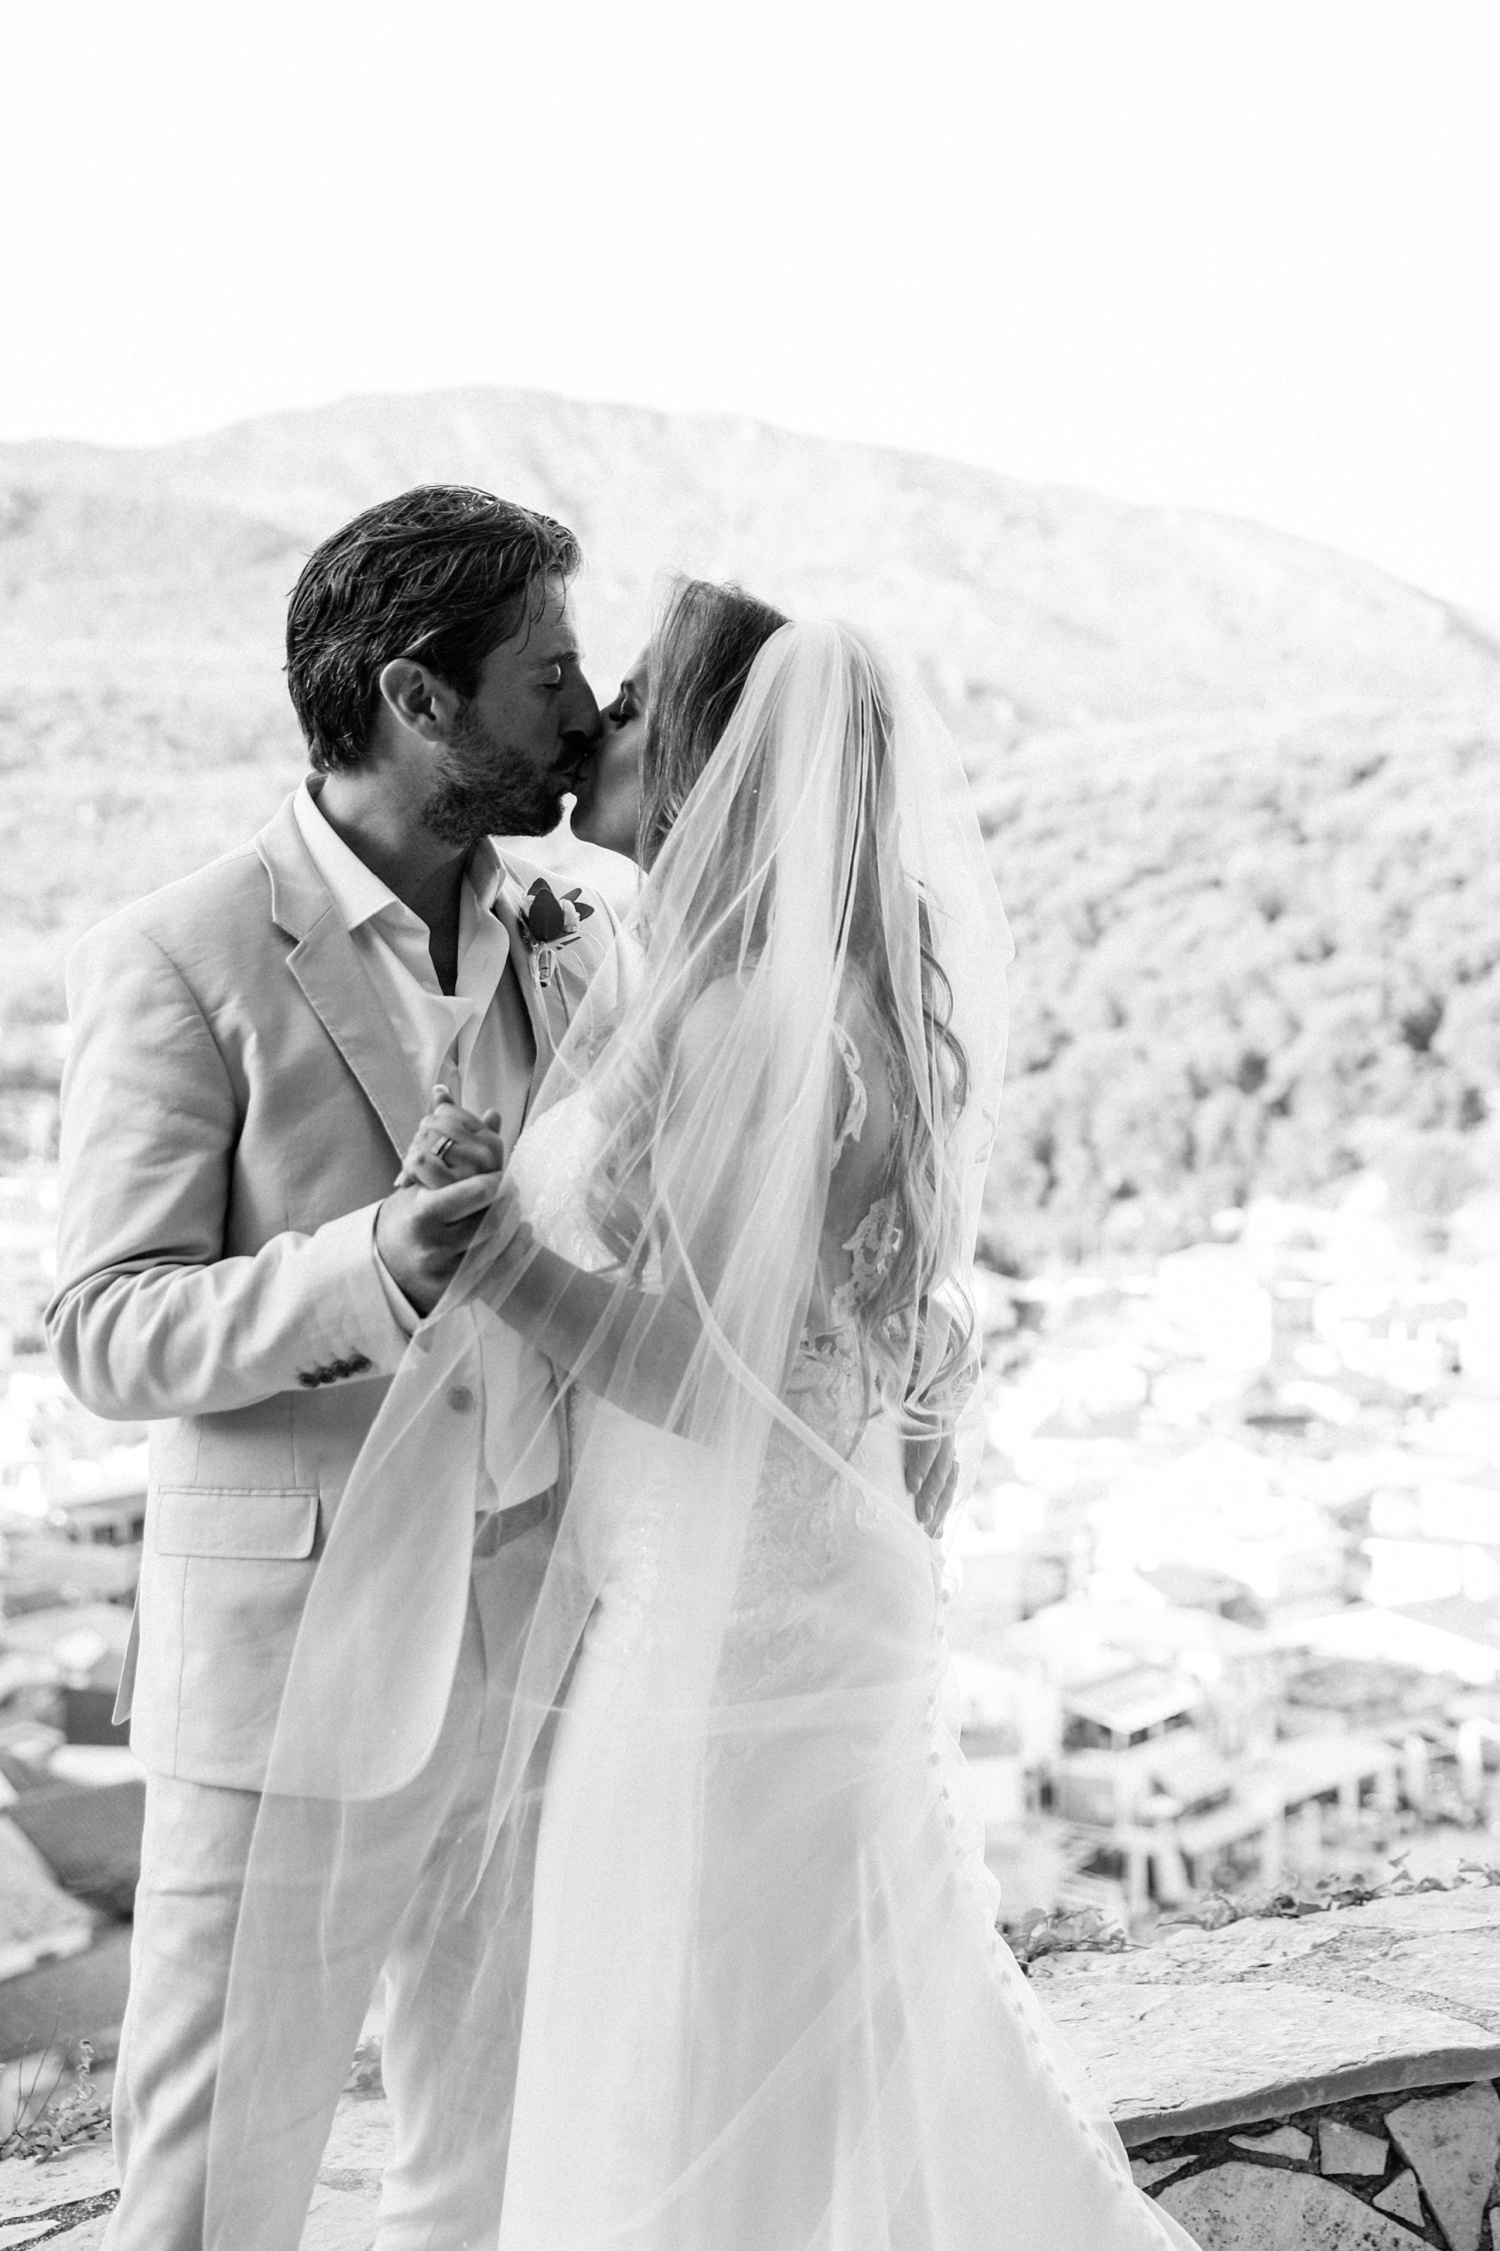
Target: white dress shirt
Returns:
[[479, 1043], [477, 1040]]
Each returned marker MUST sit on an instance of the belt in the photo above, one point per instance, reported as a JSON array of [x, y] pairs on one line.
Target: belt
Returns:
[[500, 1526]]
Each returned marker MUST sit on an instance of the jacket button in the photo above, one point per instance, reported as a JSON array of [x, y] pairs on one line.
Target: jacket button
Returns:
[[460, 1398]]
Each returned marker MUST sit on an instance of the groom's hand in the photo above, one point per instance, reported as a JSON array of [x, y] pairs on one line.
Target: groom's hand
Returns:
[[451, 1143], [422, 1233]]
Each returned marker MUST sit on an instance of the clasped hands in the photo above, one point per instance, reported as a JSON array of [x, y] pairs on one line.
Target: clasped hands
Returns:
[[452, 1174], [449, 1178]]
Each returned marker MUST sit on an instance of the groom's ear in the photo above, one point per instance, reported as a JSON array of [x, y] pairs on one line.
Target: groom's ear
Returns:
[[417, 699]]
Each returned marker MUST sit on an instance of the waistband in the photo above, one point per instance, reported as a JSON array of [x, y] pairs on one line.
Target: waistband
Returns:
[[496, 1529]]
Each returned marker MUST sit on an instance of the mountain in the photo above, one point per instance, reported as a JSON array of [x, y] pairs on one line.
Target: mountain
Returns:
[[1159, 708], [1028, 606]]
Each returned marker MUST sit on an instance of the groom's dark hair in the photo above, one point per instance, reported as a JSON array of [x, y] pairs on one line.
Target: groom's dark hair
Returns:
[[443, 573]]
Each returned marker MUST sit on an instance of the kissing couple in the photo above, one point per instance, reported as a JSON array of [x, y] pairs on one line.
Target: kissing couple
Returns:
[[555, 1334]]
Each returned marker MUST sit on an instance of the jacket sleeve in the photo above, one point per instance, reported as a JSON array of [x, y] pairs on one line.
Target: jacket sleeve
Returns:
[[149, 1317]]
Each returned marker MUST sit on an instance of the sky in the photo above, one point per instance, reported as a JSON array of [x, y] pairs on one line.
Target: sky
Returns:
[[1239, 254]]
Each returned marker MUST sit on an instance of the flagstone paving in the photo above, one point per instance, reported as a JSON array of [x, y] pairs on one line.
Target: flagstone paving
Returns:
[[1283, 2016], [1325, 2084]]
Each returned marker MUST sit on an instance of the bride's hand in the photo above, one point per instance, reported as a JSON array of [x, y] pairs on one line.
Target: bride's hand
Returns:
[[451, 1144], [932, 1480]]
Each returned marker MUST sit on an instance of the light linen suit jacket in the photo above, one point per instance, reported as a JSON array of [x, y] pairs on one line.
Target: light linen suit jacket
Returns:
[[235, 1106]]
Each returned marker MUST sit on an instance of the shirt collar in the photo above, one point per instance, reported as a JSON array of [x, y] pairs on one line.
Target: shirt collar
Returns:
[[484, 874], [358, 892]]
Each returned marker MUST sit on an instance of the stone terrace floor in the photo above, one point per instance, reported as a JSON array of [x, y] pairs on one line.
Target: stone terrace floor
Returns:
[[1193, 2040]]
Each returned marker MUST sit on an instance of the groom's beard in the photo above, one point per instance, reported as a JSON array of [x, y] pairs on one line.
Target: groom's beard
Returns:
[[483, 789]]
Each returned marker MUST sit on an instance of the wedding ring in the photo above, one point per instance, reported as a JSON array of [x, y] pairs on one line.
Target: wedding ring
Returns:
[[442, 1148]]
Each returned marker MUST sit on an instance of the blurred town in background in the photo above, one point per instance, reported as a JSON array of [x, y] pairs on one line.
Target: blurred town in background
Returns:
[[72, 1512], [1229, 1610]]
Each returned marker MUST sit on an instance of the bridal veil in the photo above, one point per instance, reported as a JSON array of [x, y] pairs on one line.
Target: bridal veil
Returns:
[[766, 2005]]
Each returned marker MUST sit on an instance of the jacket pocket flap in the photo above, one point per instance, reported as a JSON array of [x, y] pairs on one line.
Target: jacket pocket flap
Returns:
[[231, 1521]]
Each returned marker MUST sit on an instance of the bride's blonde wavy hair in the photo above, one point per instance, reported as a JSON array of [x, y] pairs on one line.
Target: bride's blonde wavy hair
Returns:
[[701, 654], [701, 658]]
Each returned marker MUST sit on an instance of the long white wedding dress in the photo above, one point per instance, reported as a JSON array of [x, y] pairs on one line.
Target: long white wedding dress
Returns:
[[843, 2054]]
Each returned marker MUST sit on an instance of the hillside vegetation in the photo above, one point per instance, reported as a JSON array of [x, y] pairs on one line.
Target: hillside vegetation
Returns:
[[1243, 794], [1250, 958]]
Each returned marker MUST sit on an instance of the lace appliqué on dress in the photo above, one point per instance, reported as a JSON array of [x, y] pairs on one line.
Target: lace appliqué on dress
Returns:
[[804, 1510], [857, 1105], [873, 1246], [794, 1540], [876, 1240]]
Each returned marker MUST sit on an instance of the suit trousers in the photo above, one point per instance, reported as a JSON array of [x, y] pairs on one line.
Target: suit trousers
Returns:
[[445, 1912]]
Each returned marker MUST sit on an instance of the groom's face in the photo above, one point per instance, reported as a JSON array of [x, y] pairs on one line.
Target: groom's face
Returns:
[[515, 747]]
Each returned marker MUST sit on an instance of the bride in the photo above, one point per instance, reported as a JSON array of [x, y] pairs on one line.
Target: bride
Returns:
[[766, 2007]]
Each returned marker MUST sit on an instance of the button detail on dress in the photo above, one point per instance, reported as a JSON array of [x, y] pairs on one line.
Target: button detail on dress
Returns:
[[460, 1398]]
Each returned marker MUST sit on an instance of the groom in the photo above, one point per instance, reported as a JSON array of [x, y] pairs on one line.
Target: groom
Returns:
[[252, 1051]]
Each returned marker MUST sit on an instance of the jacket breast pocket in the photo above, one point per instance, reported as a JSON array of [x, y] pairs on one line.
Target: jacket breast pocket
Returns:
[[234, 1523]]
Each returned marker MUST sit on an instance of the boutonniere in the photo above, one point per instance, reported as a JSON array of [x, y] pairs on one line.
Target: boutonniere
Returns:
[[550, 923]]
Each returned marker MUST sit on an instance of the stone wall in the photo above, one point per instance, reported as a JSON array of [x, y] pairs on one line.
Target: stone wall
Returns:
[[1327, 2083], [1370, 2176]]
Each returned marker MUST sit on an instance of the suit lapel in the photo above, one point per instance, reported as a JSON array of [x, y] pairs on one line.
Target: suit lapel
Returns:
[[545, 1029], [332, 976], [327, 967]]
